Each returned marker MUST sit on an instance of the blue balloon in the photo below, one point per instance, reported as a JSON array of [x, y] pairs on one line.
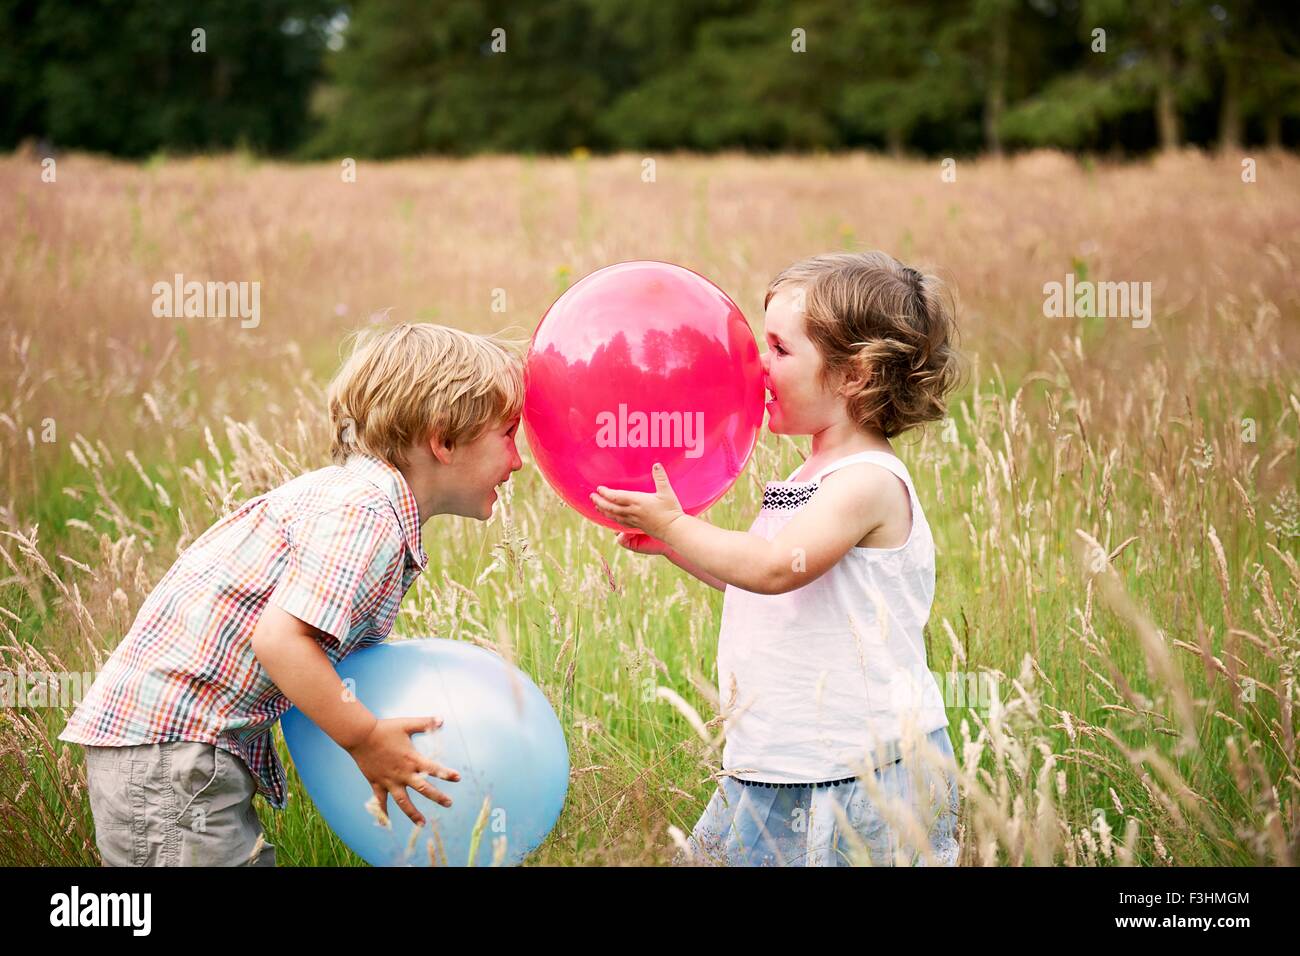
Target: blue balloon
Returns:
[[498, 731]]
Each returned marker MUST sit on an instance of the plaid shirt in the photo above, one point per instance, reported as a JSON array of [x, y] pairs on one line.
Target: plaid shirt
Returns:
[[337, 548]]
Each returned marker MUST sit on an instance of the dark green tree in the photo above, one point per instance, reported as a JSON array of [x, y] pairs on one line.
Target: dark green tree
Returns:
[[756, 76], [464, 76], [126, 77]]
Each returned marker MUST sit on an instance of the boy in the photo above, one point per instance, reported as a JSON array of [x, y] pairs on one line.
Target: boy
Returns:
[[253, 616]]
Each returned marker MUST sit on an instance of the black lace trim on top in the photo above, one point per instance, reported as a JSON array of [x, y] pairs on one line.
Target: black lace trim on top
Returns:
[[778, 498], [820, 783]]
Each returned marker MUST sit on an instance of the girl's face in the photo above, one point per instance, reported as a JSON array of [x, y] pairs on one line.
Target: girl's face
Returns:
[[798, 403]]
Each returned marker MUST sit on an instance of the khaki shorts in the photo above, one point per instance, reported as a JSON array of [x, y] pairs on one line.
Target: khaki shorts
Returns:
[[178, 803]]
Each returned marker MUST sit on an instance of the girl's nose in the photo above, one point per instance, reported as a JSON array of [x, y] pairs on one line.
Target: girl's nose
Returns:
[[765, 360]]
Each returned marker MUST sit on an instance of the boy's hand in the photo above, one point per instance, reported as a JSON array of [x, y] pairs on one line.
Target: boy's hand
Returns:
[[391, 764], [641, 543], [645, 511]]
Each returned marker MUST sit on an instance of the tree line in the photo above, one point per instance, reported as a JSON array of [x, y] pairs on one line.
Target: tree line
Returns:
[[381, 78]]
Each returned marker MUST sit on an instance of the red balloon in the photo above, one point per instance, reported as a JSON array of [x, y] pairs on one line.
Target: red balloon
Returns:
[[641, 362]]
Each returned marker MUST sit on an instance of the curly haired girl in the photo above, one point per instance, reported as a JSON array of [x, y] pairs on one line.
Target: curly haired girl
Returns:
[[837, 747]]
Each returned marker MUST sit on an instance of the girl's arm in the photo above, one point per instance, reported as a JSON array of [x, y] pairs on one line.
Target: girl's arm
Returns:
[[849, 504], [691, 569], [644, 544]]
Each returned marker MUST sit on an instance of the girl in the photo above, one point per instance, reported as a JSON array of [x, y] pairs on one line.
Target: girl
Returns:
[[837, 747]]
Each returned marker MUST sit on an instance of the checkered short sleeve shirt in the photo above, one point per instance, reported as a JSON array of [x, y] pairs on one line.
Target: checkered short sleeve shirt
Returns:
[[337, 548]]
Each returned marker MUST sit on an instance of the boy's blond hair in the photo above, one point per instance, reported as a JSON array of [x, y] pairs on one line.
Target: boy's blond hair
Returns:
[[403, 384], [885, 331]]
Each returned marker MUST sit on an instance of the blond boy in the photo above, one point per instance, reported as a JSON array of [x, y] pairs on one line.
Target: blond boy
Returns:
[[253, 616]]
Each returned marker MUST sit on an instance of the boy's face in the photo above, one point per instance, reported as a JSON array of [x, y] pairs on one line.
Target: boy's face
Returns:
[[482, 464], [799, 403]]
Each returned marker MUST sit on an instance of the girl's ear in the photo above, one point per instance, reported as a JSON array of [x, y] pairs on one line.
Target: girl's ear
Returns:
[[854, 380]]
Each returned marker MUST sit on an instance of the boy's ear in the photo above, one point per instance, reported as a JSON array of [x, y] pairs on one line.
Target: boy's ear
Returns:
[[441, 450]]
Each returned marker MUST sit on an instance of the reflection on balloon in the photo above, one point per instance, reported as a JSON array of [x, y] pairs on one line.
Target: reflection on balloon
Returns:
[[636, 363], [498, 731]]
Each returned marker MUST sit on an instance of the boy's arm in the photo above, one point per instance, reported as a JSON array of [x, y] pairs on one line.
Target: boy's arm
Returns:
[[290, 651], [291, 654]]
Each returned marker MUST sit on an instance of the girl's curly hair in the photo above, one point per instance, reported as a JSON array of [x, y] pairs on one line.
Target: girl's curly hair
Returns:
[[887, 335]]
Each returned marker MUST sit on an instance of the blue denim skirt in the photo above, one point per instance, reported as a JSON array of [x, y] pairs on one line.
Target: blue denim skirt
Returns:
[[906, 815]]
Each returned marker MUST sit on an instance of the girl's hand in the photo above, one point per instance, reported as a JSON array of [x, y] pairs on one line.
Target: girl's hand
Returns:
[[644, 511], [641, 543]]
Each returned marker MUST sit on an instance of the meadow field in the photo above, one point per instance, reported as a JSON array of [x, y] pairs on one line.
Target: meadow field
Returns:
[[1114, 505]]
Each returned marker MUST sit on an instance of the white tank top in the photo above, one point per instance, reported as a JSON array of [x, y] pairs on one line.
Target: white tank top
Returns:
[[826, 676]]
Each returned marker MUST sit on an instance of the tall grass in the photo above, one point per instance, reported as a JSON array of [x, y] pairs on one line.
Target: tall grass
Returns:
[[1115, 508]]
